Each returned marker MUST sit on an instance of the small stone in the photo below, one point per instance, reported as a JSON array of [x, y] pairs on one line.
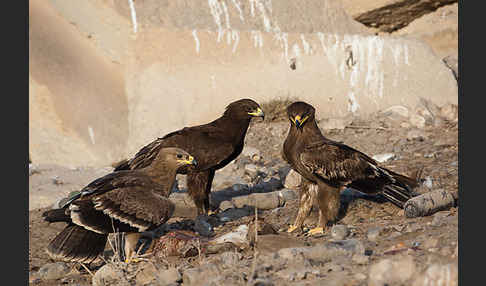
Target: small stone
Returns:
[[224, 205], [230, 258], [396, 110], [438, 219], [425, 113], [287, 195], [449, 112], [292, 180], [110, 274], [361, 259], [360, 276], [233, 214], [264, 201], [416, 134], [56, 180], [33, 170], [384, 157], [333, 267], [392, 271], [405, 125], [202, 226], [250, 151], [438, 275], [53, 271], [237, 237], [335, 123], [339, 231], [168, 276], [293, 274], [374, 232], [417, 121], [202, 275], [251, 170]]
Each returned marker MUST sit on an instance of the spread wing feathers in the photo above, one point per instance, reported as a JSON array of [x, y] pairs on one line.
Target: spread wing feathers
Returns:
[[207, 143], [337, 162], [136, 206], [76, 243]]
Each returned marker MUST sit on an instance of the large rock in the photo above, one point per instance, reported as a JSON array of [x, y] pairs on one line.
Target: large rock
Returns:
[[109, 96], [391, 15]]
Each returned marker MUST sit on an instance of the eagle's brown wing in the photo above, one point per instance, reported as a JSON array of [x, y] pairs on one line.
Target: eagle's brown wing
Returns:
[[206, 143], [137, 206], [125, 196], [336, 162]]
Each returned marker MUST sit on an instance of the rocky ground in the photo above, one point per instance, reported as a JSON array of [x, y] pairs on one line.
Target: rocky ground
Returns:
[[373, 243]]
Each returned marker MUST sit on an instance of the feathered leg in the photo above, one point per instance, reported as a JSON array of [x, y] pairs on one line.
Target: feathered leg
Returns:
[[308, 193], [199, 188], [329, 202]]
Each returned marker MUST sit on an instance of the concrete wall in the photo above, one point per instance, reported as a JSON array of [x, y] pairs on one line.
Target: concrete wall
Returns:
[[188, 59]]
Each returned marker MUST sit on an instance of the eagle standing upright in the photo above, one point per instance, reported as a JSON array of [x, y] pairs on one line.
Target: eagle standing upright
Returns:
[[214, 144], [328, 166], [124, 201]]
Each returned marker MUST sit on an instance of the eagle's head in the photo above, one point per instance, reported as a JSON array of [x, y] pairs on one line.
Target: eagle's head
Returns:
[[175, 157], [244, 109], [300, 113]]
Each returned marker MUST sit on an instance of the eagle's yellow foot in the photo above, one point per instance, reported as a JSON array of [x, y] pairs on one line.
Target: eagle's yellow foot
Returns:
[[133, 260], [292, 228], [212, 212], [316, 230]]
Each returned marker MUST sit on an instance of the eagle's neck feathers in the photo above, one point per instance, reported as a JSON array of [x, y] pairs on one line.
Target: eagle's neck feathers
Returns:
[[164, 176]]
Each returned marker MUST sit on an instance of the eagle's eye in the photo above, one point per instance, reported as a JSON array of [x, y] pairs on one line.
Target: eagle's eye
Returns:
[[179, 156]]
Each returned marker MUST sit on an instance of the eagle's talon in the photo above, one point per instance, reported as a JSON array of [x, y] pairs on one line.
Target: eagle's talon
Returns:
[[316, 230], [292, 228]]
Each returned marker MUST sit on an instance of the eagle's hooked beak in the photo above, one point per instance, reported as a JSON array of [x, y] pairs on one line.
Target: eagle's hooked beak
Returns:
[[258, 113], [298, 121], [189, 161]]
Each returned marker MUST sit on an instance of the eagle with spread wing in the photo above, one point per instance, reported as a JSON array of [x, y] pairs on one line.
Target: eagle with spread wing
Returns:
[[124, 201], [214, 144], [327, 167]]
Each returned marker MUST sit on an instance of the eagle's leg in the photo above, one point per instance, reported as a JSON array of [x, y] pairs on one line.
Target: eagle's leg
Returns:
[[199, 188], [308, 194], [329, 203]]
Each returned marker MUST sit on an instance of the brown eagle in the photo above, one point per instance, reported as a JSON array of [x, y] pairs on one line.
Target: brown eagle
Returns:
[[327, 167], [123, 201], [214, 144]]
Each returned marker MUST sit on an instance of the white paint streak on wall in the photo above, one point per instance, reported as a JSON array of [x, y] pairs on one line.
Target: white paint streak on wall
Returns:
[[196, 39], [91, 134], [374, 76], [235, 36], [238, 7], [252, 8], [257, 38], [306, 45], [353, 103], [226, 14], [134, 15], [296, 50], [216, 11], [266, 21]]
